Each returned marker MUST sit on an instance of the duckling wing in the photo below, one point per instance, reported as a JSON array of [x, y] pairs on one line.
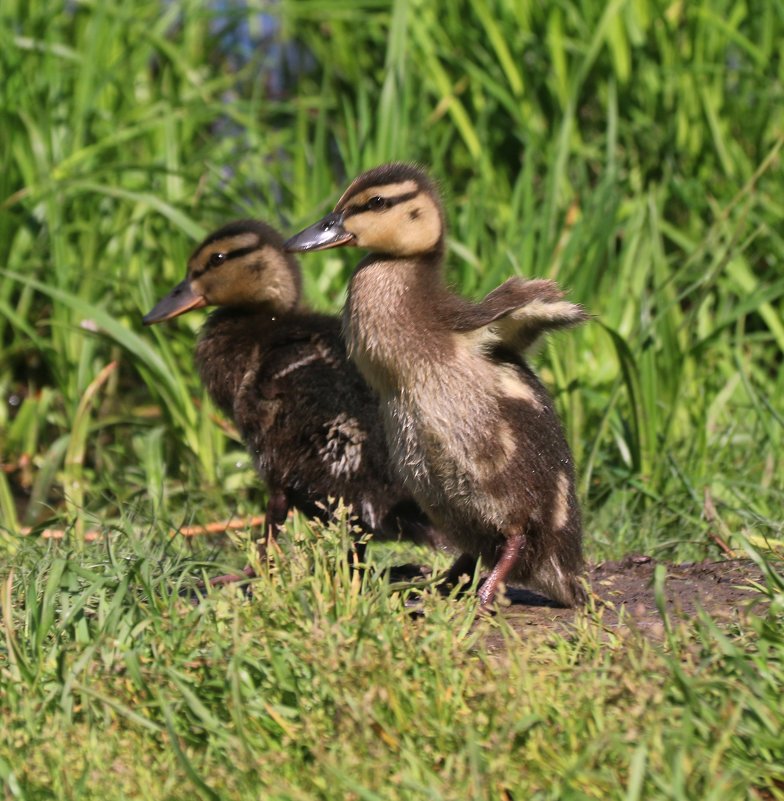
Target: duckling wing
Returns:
[[518, 312]]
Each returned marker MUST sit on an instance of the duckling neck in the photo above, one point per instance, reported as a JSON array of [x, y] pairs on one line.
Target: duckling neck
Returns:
[[389, 321]]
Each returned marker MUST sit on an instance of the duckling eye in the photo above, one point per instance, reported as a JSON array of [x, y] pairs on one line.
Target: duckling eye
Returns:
[[216, 259], [375, 203]]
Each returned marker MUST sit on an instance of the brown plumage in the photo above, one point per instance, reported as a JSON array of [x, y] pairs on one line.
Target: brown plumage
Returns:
[[471, 430], [281, 373]]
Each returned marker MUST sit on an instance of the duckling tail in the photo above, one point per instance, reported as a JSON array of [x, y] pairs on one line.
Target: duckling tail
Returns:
[[562, 585]]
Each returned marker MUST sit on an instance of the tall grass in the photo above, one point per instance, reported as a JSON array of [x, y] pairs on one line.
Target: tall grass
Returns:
[[631, 150]]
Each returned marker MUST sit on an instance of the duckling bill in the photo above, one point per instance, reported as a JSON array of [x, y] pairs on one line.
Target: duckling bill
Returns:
[[471, 430], [281, 373], [180, 300]]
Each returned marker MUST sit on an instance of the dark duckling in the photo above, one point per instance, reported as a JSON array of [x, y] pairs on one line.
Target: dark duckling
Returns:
[[470, 428], [281, 373]]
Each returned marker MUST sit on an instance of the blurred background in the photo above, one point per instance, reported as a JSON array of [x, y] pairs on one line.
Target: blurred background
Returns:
[[629, 149]]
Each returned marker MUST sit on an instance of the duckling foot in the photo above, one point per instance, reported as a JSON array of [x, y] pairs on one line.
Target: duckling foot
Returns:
[[195, 594], [262, 546], [503, 567], [231, 578]]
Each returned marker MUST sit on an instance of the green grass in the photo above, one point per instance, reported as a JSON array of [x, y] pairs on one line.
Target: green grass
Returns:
[[631, 150], [115, 686]]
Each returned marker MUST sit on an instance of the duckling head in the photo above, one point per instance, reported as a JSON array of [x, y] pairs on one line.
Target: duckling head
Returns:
[[393, 209], [242, 264]]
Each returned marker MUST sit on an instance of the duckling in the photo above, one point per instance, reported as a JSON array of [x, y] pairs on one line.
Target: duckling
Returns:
[[281, 373], [471, 430]]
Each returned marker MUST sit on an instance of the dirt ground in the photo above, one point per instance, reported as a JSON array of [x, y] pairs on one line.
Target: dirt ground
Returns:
[[624, 591]]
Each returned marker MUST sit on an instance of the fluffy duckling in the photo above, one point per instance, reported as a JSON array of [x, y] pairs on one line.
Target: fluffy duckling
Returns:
[[470, 428], [281, 373]]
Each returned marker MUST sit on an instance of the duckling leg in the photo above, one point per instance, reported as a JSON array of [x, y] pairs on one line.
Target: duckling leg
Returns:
[[465, 565], [510, 553], [277, 512]]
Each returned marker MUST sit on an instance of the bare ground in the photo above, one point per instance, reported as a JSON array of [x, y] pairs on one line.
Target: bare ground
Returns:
[[624, 593]]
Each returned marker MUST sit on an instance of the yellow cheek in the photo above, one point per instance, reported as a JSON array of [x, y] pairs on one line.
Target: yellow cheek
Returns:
[[217, 290], [199, 287], [405, 230], [383, 236]]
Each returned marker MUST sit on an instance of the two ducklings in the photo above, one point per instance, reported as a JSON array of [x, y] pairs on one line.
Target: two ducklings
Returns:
[[425, 402]]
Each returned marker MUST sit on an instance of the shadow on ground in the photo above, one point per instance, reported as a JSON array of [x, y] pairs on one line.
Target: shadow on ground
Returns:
[[624, 590]]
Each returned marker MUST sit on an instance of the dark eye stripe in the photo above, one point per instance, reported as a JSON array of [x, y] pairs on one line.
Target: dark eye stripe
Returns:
[[387, 204], [234, 254], [239, 253]]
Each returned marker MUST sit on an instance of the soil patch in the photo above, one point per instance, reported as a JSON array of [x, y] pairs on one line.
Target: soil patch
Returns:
[[625, 591]]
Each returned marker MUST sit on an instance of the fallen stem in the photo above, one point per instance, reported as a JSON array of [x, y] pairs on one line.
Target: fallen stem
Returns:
[[255, 521]]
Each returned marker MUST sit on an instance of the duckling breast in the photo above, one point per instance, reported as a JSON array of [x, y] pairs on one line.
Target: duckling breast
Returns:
[[478, 444], [389, 335], [449, 441]]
